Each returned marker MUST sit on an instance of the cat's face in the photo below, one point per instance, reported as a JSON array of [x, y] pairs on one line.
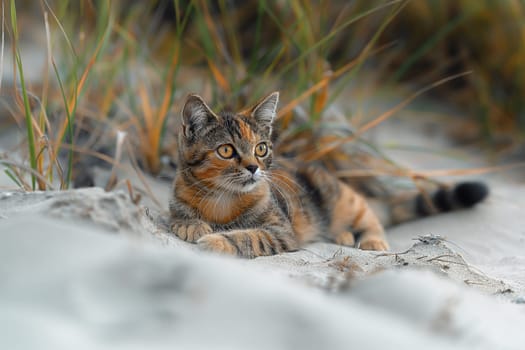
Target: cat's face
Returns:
[[227, 151]]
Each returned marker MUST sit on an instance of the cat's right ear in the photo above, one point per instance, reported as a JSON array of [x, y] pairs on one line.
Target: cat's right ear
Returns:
[[196, 115]]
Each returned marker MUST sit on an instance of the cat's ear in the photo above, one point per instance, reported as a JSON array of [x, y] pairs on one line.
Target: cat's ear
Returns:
[[196, 115], [264, 111]]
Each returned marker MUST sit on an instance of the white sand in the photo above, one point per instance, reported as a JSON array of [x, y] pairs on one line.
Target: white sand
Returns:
[[73, 276]]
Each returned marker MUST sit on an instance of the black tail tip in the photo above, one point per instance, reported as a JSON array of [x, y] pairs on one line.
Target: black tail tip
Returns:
[[470, 193]]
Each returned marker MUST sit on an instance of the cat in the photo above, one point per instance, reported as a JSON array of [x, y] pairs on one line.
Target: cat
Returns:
[[233, 195]]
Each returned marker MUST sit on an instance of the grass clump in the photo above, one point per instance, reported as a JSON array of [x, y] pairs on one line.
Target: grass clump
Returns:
[[121, 70], [442, 38]]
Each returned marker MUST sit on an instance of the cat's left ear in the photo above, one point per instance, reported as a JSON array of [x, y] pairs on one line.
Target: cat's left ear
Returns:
[[264, 111]]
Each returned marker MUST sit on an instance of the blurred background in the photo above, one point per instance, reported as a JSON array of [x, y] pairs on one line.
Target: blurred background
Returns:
[[76, 76]]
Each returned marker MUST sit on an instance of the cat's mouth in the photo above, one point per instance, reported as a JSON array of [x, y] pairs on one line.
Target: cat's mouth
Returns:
[[249, 184], [244, 183], [250, 181]]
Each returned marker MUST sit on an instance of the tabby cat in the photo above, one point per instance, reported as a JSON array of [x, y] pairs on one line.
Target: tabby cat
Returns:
[[233, 195]]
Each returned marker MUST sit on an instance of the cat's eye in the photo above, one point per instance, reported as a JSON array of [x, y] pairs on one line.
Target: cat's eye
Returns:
[[261, 150], [226, 151]]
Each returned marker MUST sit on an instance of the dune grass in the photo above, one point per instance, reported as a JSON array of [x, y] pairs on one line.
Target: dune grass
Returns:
[[485, 37], [128, 66]]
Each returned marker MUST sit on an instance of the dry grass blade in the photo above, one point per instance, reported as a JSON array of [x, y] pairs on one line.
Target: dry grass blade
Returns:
[[423, 174], [147, 108], [112, 181], [62, 29], [212, 30], [463, 172], [154, 119], [285, 111], [376, 121], [168, 90], [407, 101], [322, 96], [89, 152], [136, 167], [219, 77], [33, 172], [134, 198]]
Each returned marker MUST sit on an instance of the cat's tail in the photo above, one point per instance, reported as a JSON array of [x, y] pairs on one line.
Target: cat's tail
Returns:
[[411, 206]]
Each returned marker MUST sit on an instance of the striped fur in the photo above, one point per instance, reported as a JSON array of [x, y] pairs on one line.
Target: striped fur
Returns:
[[231, 194]]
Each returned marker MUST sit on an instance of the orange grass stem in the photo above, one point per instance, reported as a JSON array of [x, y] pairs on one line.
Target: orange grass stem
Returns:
[[381, 118]]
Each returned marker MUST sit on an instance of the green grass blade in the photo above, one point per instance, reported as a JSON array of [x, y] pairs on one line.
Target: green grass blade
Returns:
[[13, 178], [335, 31], [428, 45], [70, 129], [364, 55], [27, 108]]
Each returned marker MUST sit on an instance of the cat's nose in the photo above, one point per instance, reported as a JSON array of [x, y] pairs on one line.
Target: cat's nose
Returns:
[[252, 168]]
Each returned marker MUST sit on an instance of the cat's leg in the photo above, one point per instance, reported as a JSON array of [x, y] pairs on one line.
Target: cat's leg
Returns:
[[351, 210], [190, 230], [373, 235], [346, 209], [372, 232], [248, 243], [373, 240], [345, 238]]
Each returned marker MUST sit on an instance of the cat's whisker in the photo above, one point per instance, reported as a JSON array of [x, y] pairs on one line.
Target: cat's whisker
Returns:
[[285, 196], [284, 182], [288, 193], [286, 178], [281, 184], [287, 186]]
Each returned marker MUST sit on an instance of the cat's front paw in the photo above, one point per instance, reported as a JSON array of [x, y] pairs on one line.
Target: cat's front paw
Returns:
[[345, 238], [191, 231], [217, 243], [373, 243]]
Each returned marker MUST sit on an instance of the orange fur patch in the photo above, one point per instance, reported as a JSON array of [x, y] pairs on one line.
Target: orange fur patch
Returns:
[[304, 228], [212, 170], [221, 208], [360, 214], [342, 210], [246, 131]]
